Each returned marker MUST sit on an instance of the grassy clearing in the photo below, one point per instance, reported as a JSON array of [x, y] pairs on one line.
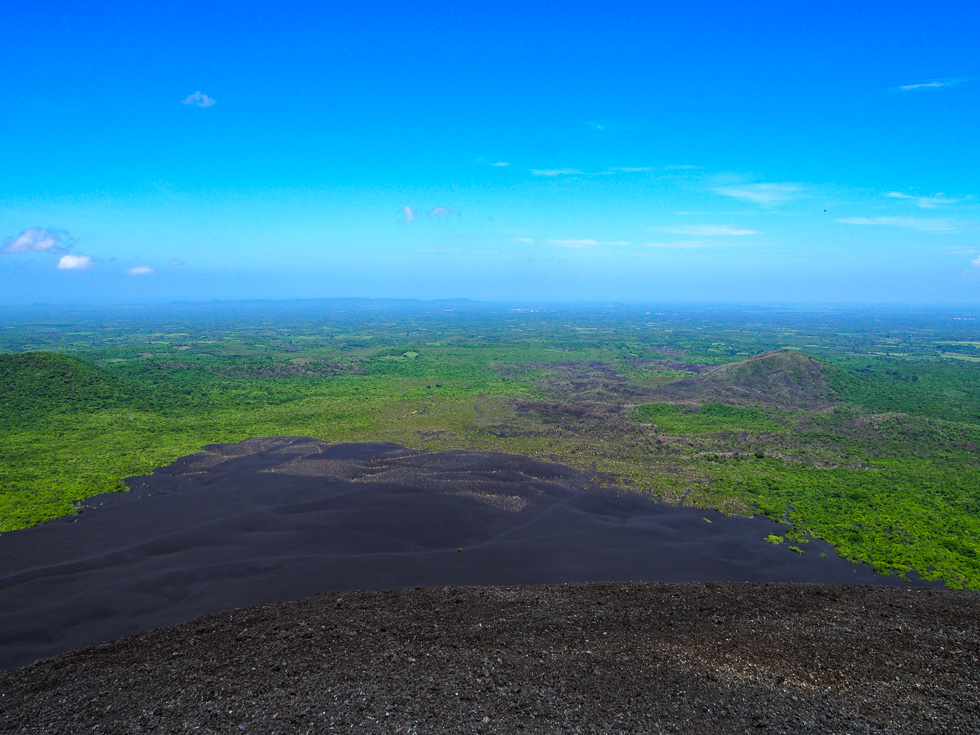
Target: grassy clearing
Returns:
[[961, 356], [706, 418]]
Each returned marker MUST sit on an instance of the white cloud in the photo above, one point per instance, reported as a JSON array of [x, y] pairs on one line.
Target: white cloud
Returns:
[[630, 169], [74, 262], [53, 242], [500, 164], [140, 270], [556, 172], [526, 240], [709, 230], [176, 263], [440, 213], [199, 99], [931, 84], [934, 202], [586, 243], [38, 240], [912, 223], [765, 195]]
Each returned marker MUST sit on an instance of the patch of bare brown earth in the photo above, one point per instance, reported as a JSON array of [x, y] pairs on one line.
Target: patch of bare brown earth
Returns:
[[644, 658]]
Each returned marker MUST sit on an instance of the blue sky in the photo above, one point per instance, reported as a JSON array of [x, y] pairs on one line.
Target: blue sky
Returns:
[[729, 152]]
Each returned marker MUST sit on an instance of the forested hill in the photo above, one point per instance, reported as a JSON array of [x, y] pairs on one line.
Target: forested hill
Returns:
[[35, 384]]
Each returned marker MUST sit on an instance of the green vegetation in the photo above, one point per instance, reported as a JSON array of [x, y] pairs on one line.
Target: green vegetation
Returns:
[[705, 418], [854, 428]]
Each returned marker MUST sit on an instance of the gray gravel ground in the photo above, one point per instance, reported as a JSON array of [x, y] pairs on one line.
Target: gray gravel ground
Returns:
[[594, 658]]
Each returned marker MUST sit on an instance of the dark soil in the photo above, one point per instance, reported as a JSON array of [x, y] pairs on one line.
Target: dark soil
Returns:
[[595, 658]]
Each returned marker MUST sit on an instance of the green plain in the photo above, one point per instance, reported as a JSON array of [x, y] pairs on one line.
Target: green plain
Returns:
[[885, 469]]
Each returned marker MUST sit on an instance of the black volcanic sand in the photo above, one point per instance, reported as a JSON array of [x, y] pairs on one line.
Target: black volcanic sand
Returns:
[[598, 658], [288, 517]]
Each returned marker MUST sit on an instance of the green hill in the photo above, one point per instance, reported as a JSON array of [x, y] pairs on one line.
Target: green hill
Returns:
[[34, 384], [781, 379]]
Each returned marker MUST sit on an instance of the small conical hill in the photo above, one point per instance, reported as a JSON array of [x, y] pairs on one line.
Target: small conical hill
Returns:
[[783, 379]]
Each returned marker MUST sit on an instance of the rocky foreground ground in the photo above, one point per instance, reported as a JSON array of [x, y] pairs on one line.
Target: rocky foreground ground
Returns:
[[593, 658]]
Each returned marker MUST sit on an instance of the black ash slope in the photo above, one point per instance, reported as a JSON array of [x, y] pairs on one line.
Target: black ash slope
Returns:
[[288, 517]]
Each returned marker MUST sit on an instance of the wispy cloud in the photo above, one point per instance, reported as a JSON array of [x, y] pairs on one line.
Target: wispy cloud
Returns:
[[913, 223], [934, 202], [408, 214], [500, 164], [613, 125], [556, 172], [140, 270], [604, 172], [587, 243], [689, 244], [930, 84], [199, 99], [976, 261], [765, 195], [683, 244], [459, 251], [38, 240], [680, 167], [74, 262], [176, 263], [553, 172], [709, 230], [411, 214], [440, 213]]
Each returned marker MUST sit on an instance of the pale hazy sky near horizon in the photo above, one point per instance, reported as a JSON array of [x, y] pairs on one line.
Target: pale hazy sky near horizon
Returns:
[[711, 152]]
